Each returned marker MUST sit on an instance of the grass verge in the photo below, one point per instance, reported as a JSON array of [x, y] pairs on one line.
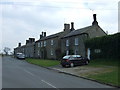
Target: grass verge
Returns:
[[108, 77], [45, 63]]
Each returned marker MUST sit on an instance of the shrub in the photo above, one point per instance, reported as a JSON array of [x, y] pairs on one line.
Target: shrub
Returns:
[[108, 46]]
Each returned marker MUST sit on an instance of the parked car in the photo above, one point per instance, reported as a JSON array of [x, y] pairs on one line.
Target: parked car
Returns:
[[74, 60], [20, 56]]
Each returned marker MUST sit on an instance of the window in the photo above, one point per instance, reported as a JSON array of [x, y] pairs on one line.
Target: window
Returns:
[[51, 42], [67, 42], [41, 43], [38, 44], [44, 43], [76, 41], [51, 52], [23, 49], [67, 52], [38, 52]]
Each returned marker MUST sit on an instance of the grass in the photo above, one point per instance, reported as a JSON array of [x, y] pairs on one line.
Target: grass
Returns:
[[104, 62], [106, 77], [45, 63]]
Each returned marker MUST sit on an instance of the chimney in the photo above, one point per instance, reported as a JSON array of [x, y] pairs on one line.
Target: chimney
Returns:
[[44, 34], [94, 20], [27, 41], [31, 40], [66, 27], [94, 17], [72, 26], [41, 36], [19, 44]]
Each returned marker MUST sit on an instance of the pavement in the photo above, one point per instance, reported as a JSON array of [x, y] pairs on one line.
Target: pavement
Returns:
[[20, 74]]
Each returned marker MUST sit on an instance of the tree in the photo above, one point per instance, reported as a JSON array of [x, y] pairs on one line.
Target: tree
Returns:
[[6, 50]]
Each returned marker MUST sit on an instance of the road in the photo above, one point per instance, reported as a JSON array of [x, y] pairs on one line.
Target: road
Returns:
[[20, 74]]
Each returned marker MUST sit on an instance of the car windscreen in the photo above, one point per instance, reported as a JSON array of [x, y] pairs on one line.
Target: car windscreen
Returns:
[[66, 57], [78, 56]]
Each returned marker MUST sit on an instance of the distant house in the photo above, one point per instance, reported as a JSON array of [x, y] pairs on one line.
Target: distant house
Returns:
[[68, 41], [27, 49], [50, 46]]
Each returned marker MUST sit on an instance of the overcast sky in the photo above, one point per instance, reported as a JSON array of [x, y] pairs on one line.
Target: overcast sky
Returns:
[[23, 19]]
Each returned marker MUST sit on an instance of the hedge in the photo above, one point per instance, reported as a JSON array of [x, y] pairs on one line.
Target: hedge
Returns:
[[104, 47]]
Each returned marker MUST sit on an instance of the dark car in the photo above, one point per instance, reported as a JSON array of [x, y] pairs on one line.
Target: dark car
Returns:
[[73, 60]]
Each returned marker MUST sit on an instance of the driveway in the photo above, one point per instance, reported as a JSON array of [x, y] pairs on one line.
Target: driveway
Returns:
[[82, 71]]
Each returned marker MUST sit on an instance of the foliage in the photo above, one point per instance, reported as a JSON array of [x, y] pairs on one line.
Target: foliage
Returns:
[[104, 62], [6, 50], [71, 52], [109, 46]]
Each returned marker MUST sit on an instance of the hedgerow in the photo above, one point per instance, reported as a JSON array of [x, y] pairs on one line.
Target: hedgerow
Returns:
[[104, 47]]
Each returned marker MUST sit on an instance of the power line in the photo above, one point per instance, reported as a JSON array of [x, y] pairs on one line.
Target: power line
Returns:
[[32, 4]]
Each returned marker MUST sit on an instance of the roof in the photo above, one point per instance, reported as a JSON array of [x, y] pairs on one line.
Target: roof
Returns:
[[78, 31], [51, 36]]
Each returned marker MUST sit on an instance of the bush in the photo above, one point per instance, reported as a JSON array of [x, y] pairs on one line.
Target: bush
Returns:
[[107, 45]]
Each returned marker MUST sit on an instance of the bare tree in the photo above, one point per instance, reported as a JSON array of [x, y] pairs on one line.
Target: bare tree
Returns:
[[6, 50]]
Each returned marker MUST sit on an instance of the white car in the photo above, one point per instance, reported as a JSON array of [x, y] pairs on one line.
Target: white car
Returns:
[[20, 56]]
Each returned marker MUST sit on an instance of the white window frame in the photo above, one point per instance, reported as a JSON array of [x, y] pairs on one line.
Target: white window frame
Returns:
[[51, 42], [67, 52], [67, 42], [41, 44], [38, 52], [51, 52], [76, 41], [44, 43], [38, 44]]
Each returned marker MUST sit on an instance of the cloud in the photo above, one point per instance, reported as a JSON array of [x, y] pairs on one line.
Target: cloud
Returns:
[[22, 19]]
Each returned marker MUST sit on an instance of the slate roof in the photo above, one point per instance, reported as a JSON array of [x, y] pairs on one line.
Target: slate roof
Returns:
[[51, 36], [78, 31]]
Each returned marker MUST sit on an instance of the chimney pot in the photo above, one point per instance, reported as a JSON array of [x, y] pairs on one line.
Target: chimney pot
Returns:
[[66, 27], [44, 34], [94, 20], [94, 17], [31, 40], [40, 36], [72, 26], [19, 44]]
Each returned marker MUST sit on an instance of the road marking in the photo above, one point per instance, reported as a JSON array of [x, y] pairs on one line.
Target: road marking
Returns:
[[29, 72], [49, 84]]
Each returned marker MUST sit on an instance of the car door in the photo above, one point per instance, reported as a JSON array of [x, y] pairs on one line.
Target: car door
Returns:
[[80, 61]]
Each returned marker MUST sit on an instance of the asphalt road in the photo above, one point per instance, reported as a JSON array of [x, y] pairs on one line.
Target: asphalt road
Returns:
[[20, 74]]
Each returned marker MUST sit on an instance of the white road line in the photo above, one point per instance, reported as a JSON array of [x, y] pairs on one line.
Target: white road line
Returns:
[[42, 80], [48, 84], [29, 72]]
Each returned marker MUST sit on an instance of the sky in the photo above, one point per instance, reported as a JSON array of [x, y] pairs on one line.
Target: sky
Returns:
[[24, 19]]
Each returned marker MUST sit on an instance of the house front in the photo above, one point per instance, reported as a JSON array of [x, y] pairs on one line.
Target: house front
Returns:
[[73, 42]]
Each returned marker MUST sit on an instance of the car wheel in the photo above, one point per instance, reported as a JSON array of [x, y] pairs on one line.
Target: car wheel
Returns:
[[87, 62], [71, 64]]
